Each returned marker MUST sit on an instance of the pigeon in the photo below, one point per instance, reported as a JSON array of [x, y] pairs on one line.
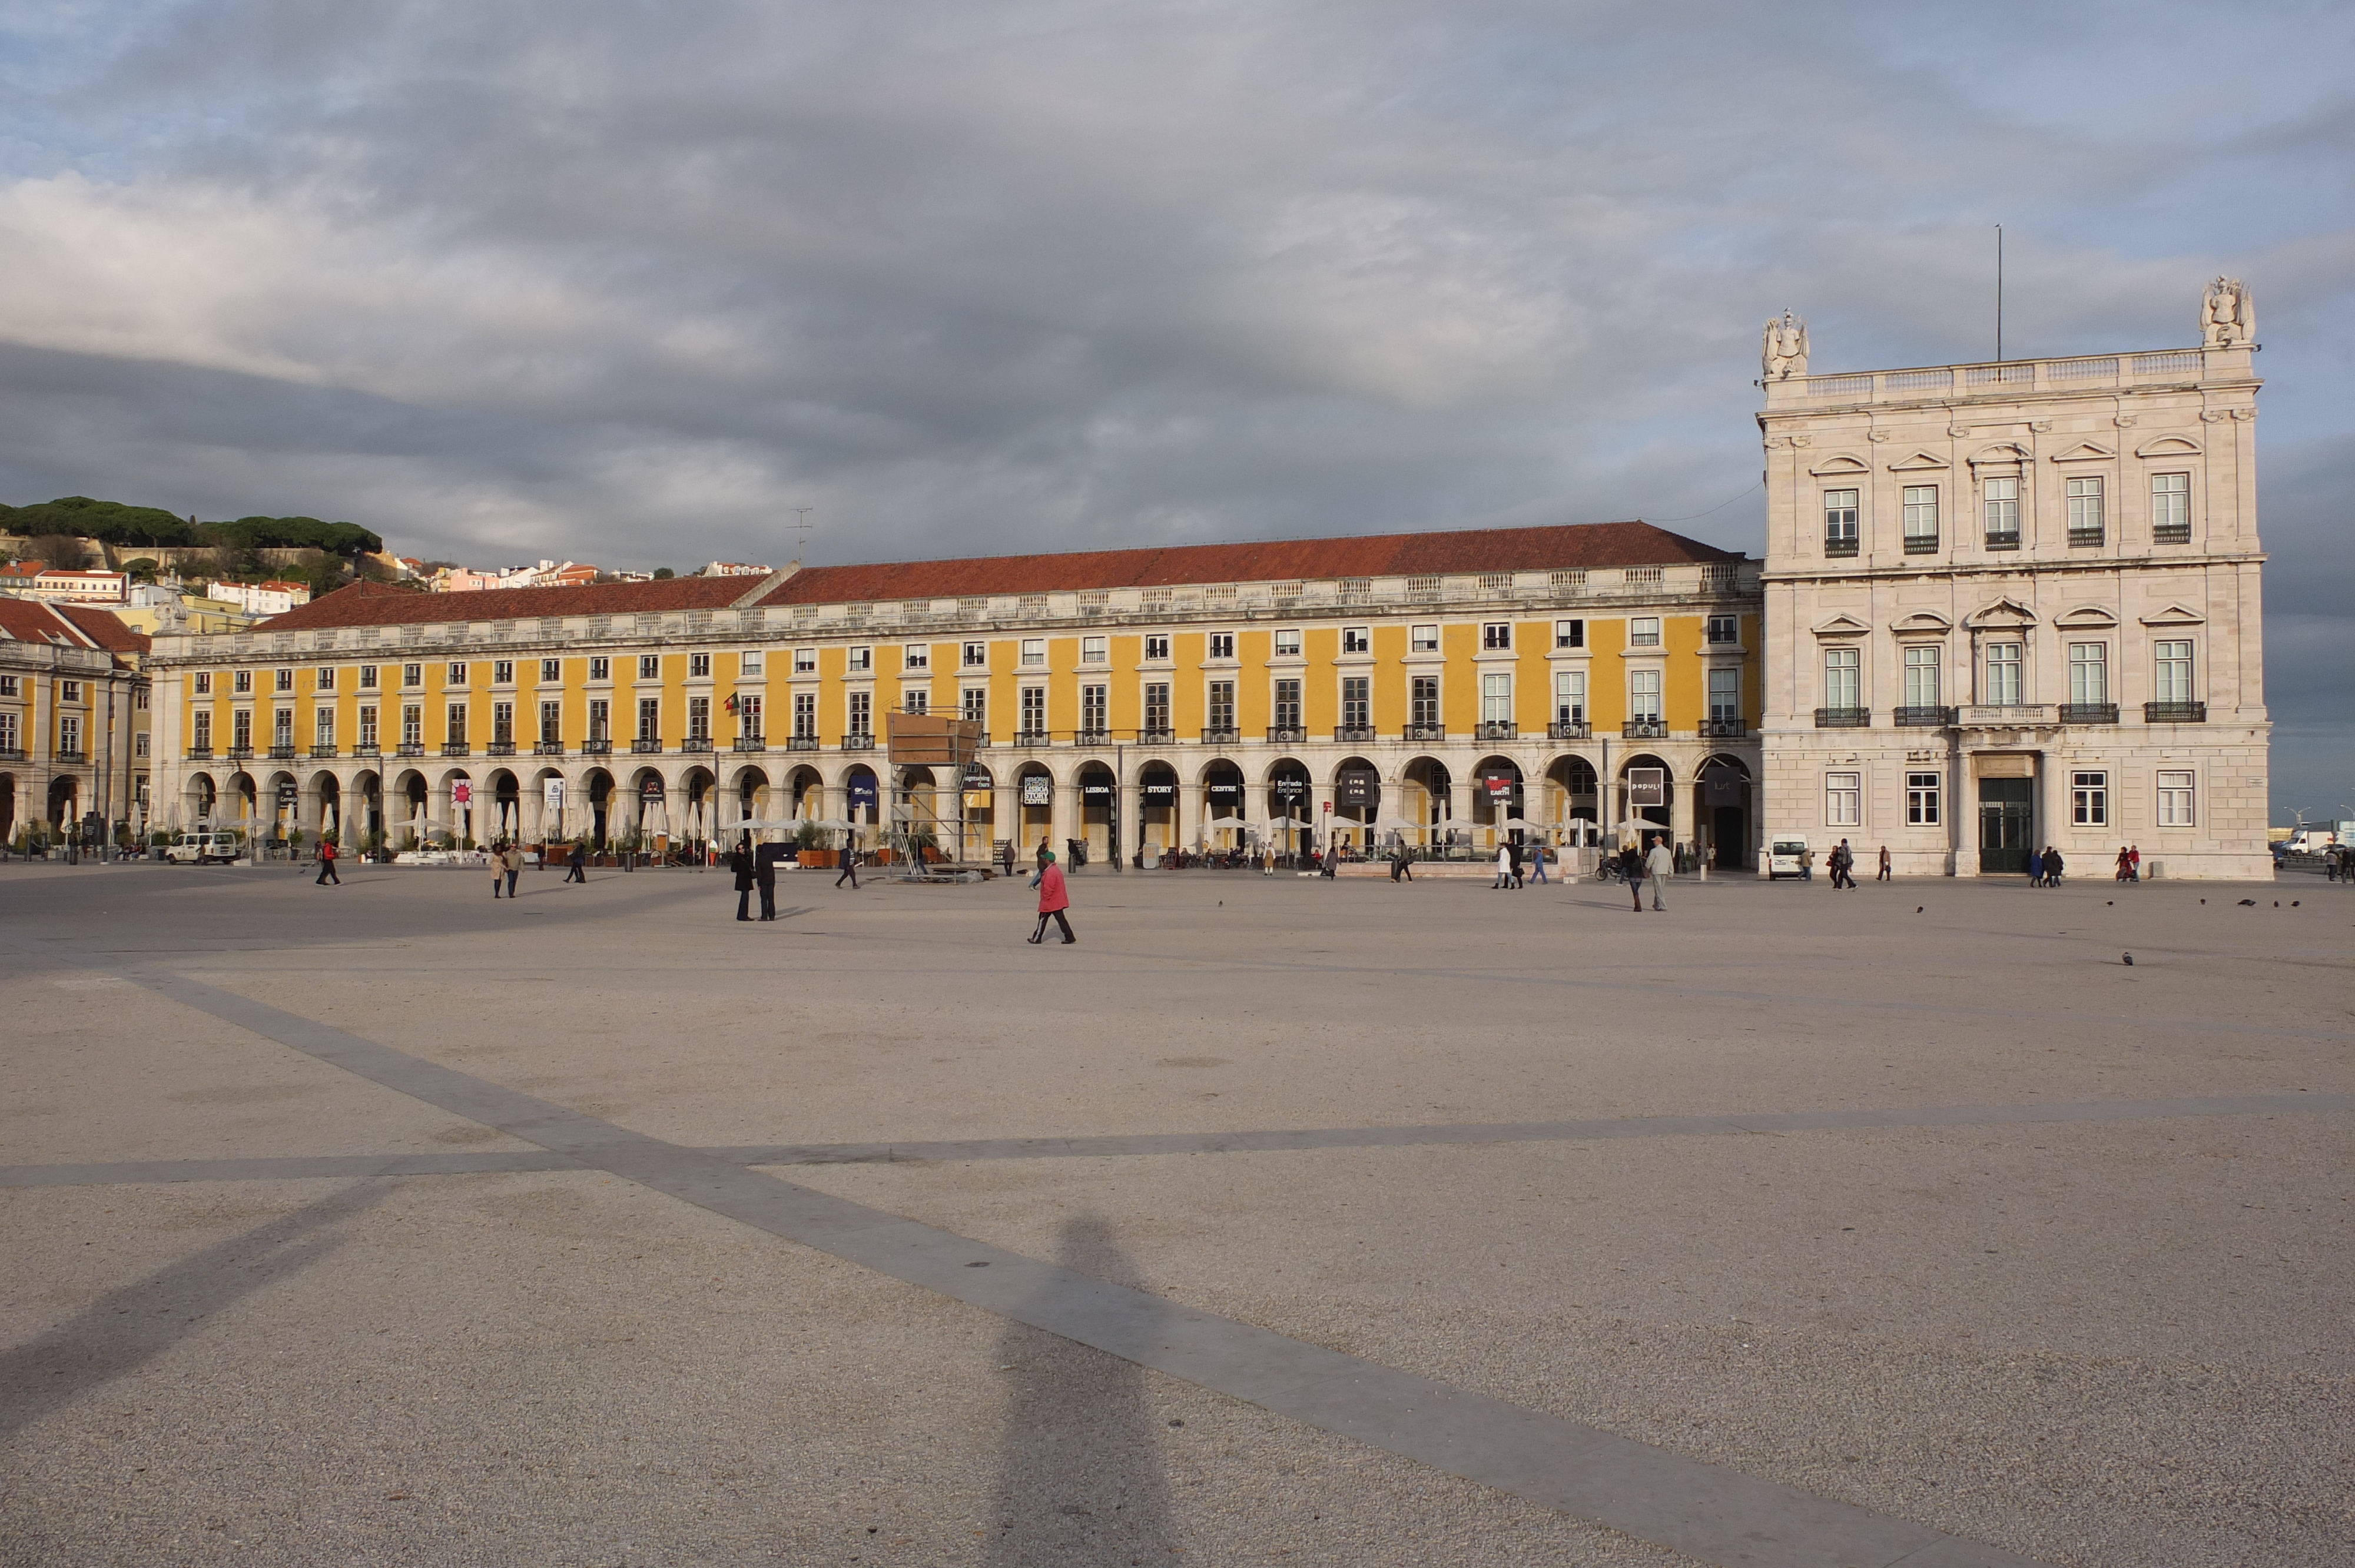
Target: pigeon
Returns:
[[2293, 904], [2248, 904], [1919, 907], [2203, 901], [2128, 958], [2111, 902]]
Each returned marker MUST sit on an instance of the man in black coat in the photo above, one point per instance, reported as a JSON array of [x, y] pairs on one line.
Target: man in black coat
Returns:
[[764, 877], [740, 860]]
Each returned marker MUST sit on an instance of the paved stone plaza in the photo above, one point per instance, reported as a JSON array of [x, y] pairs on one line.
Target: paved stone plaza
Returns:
[[1281, 1220]]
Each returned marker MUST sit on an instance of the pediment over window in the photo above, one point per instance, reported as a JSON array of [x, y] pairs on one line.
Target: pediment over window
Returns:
[[1842, 625], [1917, 463], [2002, 453], [2086, 618], [2086, 451], [1842, 466], [2168, 446], [2003, 613], [2174, 615], [1922, 623]]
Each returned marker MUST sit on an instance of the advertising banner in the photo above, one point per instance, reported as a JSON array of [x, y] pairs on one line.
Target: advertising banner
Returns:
[[1358, 788], [461, 793], [552, 794], [862, 789], [1647, 787], [1038, 789], [651, 791]]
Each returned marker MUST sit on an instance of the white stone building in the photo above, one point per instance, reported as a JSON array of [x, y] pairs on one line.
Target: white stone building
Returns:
[[2015, 605]]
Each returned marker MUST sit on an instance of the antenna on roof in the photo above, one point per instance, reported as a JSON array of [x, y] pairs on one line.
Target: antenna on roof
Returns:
[[1998, 293], [801, 531]]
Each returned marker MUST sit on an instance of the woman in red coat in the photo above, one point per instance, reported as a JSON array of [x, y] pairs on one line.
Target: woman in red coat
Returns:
[[1052, 899]]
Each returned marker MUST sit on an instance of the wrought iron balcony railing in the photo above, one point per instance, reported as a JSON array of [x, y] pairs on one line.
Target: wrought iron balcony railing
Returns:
[[1433, 731], [2089, 713], [1723, 729], [1645, 729], [1922, 718], [1355, 735], [1496, 729], [549, 748], [1570, 729], [2175, 713], [1843, 719], [601, 747]]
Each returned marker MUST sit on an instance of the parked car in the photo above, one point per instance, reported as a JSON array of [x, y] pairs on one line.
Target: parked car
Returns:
[[196, 849], [1782, 857]]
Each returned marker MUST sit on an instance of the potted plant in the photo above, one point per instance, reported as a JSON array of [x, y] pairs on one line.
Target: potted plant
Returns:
[[806, 850]]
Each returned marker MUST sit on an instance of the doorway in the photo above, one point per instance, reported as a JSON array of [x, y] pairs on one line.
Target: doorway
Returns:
[[2006, 825]]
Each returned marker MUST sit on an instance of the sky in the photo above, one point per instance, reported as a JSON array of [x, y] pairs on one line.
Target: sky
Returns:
[[631, 282]]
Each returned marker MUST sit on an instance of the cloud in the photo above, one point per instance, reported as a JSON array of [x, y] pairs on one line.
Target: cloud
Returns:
[[630, 283]]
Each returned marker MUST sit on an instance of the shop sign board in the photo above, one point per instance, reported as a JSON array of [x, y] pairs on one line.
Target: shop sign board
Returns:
[[862, 789], [1038, 789], [651, 791], [1096, 789], [552, 792], [1648, 786], [1162, 791], [461, 793], [1359, 787], [1291, 788], [286, 796]]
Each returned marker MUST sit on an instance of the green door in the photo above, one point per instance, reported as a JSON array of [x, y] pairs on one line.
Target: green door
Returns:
[[2006, 824]]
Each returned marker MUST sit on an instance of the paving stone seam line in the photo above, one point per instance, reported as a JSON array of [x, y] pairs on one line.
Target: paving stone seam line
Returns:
[[299, 1167], [1718, 1515]]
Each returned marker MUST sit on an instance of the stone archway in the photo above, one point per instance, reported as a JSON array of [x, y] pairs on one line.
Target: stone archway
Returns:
[[1724, 813]]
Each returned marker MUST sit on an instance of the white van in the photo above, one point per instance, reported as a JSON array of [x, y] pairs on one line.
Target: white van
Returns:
[[1782, 858], [196, 848]]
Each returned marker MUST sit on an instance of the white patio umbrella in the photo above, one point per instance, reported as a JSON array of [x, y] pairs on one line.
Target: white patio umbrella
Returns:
[[1222, 824], [1398, 825]]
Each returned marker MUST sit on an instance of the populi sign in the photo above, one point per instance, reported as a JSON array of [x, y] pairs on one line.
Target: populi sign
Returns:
[[461, 793]]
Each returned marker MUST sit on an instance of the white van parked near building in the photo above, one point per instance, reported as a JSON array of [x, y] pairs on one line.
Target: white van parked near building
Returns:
[[1782, 858], [196, 848]]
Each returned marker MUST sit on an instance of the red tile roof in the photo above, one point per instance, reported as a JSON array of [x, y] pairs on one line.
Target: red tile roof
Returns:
[[33, 620], [106, 629], [376, 604], [1568, 546]]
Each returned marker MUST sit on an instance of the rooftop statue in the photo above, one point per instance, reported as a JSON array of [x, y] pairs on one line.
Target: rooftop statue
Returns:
[[2228, 317], [1785, 354]]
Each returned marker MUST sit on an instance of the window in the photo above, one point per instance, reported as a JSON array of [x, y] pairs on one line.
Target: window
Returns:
[[1156, 646], [200, 732], [804, 716], [1222, 705], [1358, 701], [69, 734], [1843, 677], [1725, 697], [2003, 672], [861, 721], [502, 672], [699, 665], [1222, 644], [1095, 709], [601, 669], [322, 728], [1569, 696], [600, 720], [1034, 652], [1156, 705], [805, 661], [2001, 497], [650, 719], [551, 722], [2089, 799], [1644, 631], [2089, 673], [71, 691], [2174, 671], [240, 730], [1288, 705], [457, 675], [281, 680], [2170, 508], [698, 718], [1921, 518], [324, 678], [977, 704], [503, 724], [551, 671], [1724, 628], [1922, 675], [1094, 650], [1357, 640], [204, 684], [1844, 799], [649, 666], [2175, 799], [750, 665], [1422, 702], [242, 682], [1495, 698], [976, 656], [368, 727], [1422, 640], [282, 729], [1922, 800], [748, 714], [1570, 634], [1643, 695], [2084, 496], [1034, 710], [1287, 643], [916, 700], [454, 724], [1496, 635], [1839, 522]]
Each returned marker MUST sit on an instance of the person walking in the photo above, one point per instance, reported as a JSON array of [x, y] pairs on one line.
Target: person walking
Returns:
[[1054, 900], [1513, 849], [1807, 864], [1044, 854], [2035, 868], [576, 862], [1401, 861], [327, 863], [1843, 861], [740, 860], [1005, 858], [2123, 864], [764, 878], [2052, 866], [850, 871], [1883, 874], [498, 866], [510, 861], [2134, 862], [1536, 861], [1631, 872], [1659, 866]]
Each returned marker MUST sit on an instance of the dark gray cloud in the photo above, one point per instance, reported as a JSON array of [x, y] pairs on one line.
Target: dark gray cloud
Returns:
[[628, 282]]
